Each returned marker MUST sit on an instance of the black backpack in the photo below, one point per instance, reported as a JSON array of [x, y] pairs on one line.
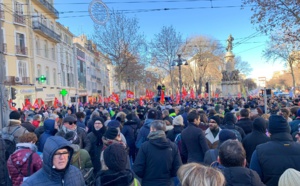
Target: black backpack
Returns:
[[10, 144]]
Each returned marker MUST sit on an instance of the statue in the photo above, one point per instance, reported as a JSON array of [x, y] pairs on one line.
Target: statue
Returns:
[[225, 76], [234, 75], [229, 43]]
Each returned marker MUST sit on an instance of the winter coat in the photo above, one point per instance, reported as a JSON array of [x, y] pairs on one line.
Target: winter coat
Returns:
[[13, 124], [256, 137], [148, 163], [49, 130], [129, 129], [96, 148], [39, 131], [4, 178], [143, 133], [48, 176], [185, 121], [229, 123], [194, 144], [169, 119], [23, 163], [28, 126], [174, 132], [212, 141], [81, 158], [113, 178], [294, 125], [245, 124], [84, 142], [80, 124], [241, 176]]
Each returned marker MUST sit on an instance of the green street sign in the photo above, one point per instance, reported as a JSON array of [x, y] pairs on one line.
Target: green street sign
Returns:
[[63, 92], [42, 79]]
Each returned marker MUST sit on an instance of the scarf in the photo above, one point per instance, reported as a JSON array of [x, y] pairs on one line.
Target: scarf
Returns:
[[157, 134], [98, 133]]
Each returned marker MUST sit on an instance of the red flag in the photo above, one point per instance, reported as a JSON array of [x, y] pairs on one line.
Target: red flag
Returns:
[[129, 95], [162, 97], [27, 104], [177, 97], [239, 95], [56, 102], [10, 103], [206, 95], [141, 102], [192, 93], [100, 99], [149, 94], [24, 107], [184, 93], [200, 96], [42, 103], [115, 98], [36, 104], [216, 95], [172, 97]]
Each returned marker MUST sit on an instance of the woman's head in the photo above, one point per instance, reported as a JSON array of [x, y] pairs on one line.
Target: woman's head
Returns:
[[194, 174], [28, 138]]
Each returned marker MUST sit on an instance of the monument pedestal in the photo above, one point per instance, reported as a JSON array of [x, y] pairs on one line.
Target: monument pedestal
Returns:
[[231, 88]]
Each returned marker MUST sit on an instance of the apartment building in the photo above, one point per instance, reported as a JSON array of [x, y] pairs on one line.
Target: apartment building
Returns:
[[17, 49]]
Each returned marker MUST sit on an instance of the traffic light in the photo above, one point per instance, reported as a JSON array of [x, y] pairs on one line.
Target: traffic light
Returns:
[[13, 93], [42, 79], [206, 87]]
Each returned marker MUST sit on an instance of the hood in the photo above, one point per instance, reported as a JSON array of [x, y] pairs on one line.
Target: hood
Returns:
[[14, 122], [52, 144], [148, 122], [229, 119], [260, 125], [113, 178], [30, 146], [161, 143], [49, 125], [130, 122]]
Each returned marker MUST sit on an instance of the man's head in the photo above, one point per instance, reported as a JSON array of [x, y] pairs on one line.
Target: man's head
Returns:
[[193, 117], [158, 125], [15, 115], [61, 158], [214, 122], [152, 114], [165, 113], [115, 157], [70, 122], [69, 111], [245, 113], [232, 154], [278, 124]]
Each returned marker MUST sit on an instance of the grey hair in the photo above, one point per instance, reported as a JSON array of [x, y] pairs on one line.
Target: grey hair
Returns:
[[159, 125], [165, 112]]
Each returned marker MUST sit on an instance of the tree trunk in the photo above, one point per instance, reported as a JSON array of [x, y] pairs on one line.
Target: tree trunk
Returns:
[[293, 76]]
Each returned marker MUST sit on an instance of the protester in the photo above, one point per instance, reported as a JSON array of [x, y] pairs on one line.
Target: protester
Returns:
[[178, 127], [56, 168], [229, 123], [50, 129], [148, 164], [290, 177], [281, 151], [245, 122], [194, 143], [212, 133], [233, 157], [194, 174], [28, 124]]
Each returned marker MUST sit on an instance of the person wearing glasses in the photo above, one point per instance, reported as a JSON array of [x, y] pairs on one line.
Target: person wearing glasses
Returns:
[[69, 124], [56, 169]]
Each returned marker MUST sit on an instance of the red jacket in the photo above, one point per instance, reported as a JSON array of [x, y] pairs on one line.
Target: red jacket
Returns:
[[36, 123], [18, 163]]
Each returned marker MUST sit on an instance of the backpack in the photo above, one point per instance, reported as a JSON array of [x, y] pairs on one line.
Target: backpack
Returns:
[[10, 144], [178, 142], [28, 158]]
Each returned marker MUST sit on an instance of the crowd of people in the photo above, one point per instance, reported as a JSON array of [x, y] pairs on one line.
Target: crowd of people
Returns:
[[201, 142]]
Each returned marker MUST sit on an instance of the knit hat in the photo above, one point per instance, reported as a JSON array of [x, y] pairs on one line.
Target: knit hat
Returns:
[[278, 124], [115, 157], [290, 177], [114, 124], [178, 120], [216, 118], [152, 114], [260, 124], [111, 133], [69, 119], [14, 115], [129, 117], [226, 134]]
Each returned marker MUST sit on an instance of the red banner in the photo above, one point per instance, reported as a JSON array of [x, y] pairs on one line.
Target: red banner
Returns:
[[162, 97], [141, 102], [177, 97], [129, 95], [42, 103], [115, 98], [149, 94], [36, 104], [27, 104], [10, 103], [56, 102], [192, 93], [184, 93]]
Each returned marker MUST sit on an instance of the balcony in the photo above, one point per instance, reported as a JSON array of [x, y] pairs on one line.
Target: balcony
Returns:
[[26, 80], [21, 51], [2, 15], [19, 19], [4, 48], [9, 80], [45, 31], [49, 8]]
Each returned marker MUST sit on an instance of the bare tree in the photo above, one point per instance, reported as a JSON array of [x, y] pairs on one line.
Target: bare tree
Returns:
[[164, 49], [243, 66], [121, 40]]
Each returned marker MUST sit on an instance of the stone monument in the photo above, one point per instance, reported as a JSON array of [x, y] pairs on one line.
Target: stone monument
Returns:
[[231, 85]]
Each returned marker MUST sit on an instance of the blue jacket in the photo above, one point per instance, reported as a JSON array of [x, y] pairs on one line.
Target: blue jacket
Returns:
[[128, 131], [49, 131], [47, 176], [143, 133]]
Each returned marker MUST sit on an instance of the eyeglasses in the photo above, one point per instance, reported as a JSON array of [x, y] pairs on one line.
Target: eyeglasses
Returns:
[[71, 123], [97, 123], [59, 154]]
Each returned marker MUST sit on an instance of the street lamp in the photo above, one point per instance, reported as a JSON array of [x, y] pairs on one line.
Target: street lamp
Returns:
[[178, 62]]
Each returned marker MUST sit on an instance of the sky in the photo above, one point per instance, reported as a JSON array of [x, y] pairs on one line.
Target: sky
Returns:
[[213, 18]]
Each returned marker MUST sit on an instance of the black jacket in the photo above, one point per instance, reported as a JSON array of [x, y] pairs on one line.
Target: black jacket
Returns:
[[241, 176], [28, 126], [157, 162], [194, 143], [276, 156], [129, 131], [245, 124], [173, 133], [113, 178], [4, 178], [256, 137]]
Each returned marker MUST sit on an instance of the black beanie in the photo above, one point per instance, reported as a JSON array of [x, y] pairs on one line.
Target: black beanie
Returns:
[[111, 133], [115, 157], [14, 115], [226, 134], [216, 118], [278, 124]]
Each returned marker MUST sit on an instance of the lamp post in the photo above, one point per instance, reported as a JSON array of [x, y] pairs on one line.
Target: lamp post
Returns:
[[178, 62]]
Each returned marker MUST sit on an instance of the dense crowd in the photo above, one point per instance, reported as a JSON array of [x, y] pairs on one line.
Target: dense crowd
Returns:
[[196, 143]]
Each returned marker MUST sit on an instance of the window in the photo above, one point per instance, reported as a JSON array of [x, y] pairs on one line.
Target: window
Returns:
[[44, 20], [51, 26], [47, 76], [37, 45], [63, 79], [22, 69], [19, 13], [20, 44], [46, 48], [54, 76], [53, 52]]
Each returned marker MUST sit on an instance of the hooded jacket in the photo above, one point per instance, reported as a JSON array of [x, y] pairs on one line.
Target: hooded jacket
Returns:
[[48, 176], [229, 123], [18, 163], [113, 178], [157, 162], [241, 176], [49, 130], [129, 130], [143, 133]]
